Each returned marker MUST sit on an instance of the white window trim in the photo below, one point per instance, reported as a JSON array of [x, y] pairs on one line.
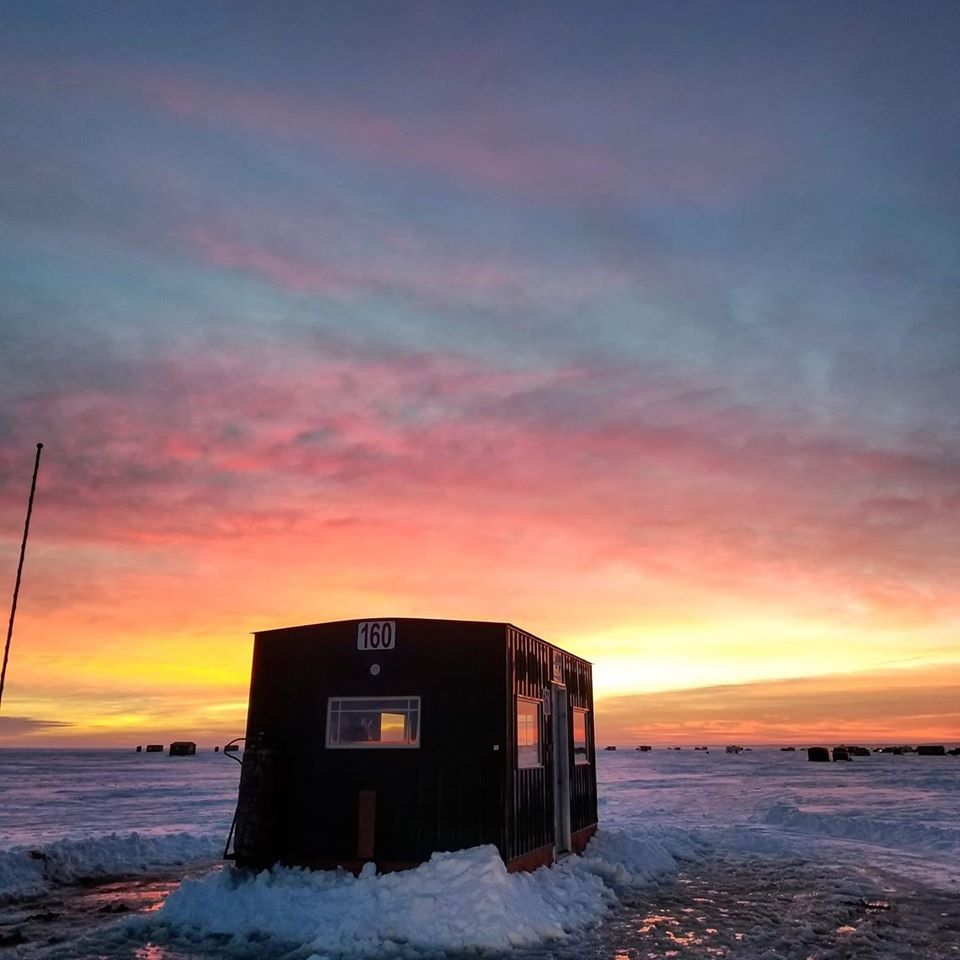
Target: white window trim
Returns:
[[539, 705], [579, 761], [372, 744]]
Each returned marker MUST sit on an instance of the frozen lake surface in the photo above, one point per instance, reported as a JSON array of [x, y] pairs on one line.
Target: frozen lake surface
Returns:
[[50, 795], [699, 855]]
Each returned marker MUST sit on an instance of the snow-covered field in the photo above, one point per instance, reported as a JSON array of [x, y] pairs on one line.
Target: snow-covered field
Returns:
[[757, 855]]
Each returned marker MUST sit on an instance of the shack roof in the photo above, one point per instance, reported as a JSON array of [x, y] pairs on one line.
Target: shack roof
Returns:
[[279, 631]]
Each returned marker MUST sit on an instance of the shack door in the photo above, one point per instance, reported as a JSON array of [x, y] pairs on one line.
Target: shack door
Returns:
[[561, 770]]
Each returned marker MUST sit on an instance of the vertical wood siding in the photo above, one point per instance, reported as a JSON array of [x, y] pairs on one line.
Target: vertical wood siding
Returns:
[[578, 676], [530, 814], [461, 787]]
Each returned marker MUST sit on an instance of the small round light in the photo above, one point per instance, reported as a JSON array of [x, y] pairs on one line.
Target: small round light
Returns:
[[375, 670]]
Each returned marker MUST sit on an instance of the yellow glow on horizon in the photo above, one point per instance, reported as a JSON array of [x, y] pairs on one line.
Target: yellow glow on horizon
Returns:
[[171, 656], [688, 656], [905, 705]]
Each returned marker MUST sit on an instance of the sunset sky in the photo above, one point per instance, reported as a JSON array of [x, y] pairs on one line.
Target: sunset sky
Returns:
[[634, 324]]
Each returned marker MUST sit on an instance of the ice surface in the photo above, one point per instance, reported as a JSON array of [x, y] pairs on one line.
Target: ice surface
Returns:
[[885, 830], [69, 815], [51, 795], [754, 815]]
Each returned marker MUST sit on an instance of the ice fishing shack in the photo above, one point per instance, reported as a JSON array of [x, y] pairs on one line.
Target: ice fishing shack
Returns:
[[385, 741]]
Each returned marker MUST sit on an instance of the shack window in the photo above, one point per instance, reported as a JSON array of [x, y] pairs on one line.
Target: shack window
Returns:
[[382, 722], [528, 732], [581, 746]]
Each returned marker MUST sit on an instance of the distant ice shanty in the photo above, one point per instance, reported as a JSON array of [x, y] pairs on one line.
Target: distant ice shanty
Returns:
[[385, 741]]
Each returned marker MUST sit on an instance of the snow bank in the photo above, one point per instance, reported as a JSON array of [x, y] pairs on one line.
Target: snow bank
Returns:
[[887, 832], [637, 856], [30, 871], [456, 901]]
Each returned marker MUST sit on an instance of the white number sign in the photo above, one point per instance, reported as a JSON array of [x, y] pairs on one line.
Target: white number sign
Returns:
[[376, 635]]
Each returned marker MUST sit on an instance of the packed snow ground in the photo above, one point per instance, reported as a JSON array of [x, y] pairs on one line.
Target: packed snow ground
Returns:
[[834, 839]]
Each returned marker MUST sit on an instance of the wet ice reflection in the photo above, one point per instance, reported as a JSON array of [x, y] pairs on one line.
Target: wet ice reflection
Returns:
[[676, 932], [150, 951]]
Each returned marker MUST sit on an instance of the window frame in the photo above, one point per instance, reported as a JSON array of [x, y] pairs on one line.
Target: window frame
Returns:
[[584, 759], [538, 703], [374, 744]]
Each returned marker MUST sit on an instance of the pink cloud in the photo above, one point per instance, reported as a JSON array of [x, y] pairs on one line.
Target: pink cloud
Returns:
[[218, 447], [298, 276], [643, 154], [412, 267]]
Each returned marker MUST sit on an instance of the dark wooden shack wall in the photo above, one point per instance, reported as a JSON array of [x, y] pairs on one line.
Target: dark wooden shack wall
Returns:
[[529, 820], [448, 794], [462, 787], [530, 811], [578, 676]]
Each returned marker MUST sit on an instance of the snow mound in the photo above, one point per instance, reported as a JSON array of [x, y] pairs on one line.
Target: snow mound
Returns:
[[857, 826], [456, 901], [637, 856], [30, 871]]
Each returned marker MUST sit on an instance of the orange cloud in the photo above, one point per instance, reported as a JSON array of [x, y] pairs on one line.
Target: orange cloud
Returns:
[[903, 706]]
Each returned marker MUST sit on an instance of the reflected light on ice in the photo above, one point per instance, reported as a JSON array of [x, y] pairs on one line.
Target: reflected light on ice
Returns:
[[669, 927]]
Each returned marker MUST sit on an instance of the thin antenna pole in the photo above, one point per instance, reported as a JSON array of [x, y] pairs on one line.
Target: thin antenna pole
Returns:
[[16, 588]]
